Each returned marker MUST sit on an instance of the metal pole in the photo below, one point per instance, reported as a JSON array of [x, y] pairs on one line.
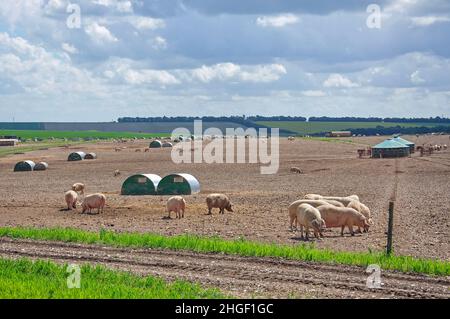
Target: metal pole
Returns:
[[390, 228]]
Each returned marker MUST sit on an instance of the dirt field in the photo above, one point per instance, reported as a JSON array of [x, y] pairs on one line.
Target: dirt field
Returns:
[[421, 187], [241, 277]]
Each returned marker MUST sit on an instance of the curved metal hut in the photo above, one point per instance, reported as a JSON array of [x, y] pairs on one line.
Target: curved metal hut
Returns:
[[141, 184], [155, 144], [41, 166], [390, 148], [24, 166], [178, 184], [76, 156], [90, 156], [167, 144]]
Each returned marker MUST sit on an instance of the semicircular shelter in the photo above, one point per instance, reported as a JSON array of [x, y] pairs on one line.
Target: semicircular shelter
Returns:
[[178, 184], [41, 166], [155, 144], [90, 156], [76, 156], [141, 184], [24, 166]]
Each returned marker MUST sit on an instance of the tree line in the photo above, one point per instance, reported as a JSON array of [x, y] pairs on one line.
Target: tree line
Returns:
[[258, 118]]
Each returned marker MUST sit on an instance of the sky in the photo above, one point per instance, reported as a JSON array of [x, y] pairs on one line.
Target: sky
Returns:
[[99, 60]]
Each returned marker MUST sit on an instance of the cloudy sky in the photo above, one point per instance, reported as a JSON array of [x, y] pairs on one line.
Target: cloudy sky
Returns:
[[227, 57]]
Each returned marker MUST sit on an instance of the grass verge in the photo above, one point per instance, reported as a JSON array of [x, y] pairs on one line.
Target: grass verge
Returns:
[[240, 247], [24, 278]]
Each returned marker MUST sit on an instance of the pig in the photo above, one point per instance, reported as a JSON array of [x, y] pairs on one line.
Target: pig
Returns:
[[309, 217], [71, 198], [342, 217], [176, 204], [94, 201], [220, 201], [79, 188]]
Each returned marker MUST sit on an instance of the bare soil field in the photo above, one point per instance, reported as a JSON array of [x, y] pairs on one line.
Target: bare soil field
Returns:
[[240, 277], [420, 186]]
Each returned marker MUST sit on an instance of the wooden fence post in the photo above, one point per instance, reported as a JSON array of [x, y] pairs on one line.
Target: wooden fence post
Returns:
[[390, 228]]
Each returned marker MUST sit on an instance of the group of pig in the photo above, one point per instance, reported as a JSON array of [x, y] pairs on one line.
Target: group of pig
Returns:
[[318, 212], [89, 202], [314, 211], [177, 204]]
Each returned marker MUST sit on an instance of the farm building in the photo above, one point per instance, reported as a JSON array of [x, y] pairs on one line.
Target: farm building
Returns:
[[167, 144], [8, 142], [390, 148], [90, 156], [141, 184], [155, 144], [339, 134], [24, 166], [76, 156], [42, 166], [178, 184], [411, 145]]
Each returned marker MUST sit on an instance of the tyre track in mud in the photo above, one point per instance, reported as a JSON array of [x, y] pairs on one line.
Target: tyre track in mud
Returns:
[[235, 275]]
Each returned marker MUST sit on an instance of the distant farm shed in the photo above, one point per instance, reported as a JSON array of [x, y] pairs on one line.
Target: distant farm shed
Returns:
[[42, 166], [76, 156], [141, 184], [156, 144], [24, 166], [390, 148], [90, 156], [167, 144], [339, 134], [178, 184], [9, 142]]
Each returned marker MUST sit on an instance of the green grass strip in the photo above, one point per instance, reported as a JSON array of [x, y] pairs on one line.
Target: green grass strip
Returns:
[[77, 134], [242, 247], [25, 279]]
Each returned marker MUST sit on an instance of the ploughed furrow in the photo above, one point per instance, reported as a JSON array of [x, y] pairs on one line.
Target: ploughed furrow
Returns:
[[240, 276]]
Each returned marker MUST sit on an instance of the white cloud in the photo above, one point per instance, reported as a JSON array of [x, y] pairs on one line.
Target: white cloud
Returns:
[[69, 48], [415, 78], [337, 80], [146, 23], [100, 33], [36, 70], [231, 71], [264, 73], [150, 77], [120, 6], [313, 93], [221, 71], [277, 21], [428, 20], [159, 43]]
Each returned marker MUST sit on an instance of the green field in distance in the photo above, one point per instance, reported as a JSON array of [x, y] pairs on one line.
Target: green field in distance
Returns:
[[45, 135]]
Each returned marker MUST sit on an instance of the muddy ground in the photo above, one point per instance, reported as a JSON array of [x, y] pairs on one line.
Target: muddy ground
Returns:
[[240, 277], [420, 185]]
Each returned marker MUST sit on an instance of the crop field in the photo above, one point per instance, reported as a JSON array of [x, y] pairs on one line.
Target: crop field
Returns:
[[250, 252], [319, 127], [24, 278], [45, 135]]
